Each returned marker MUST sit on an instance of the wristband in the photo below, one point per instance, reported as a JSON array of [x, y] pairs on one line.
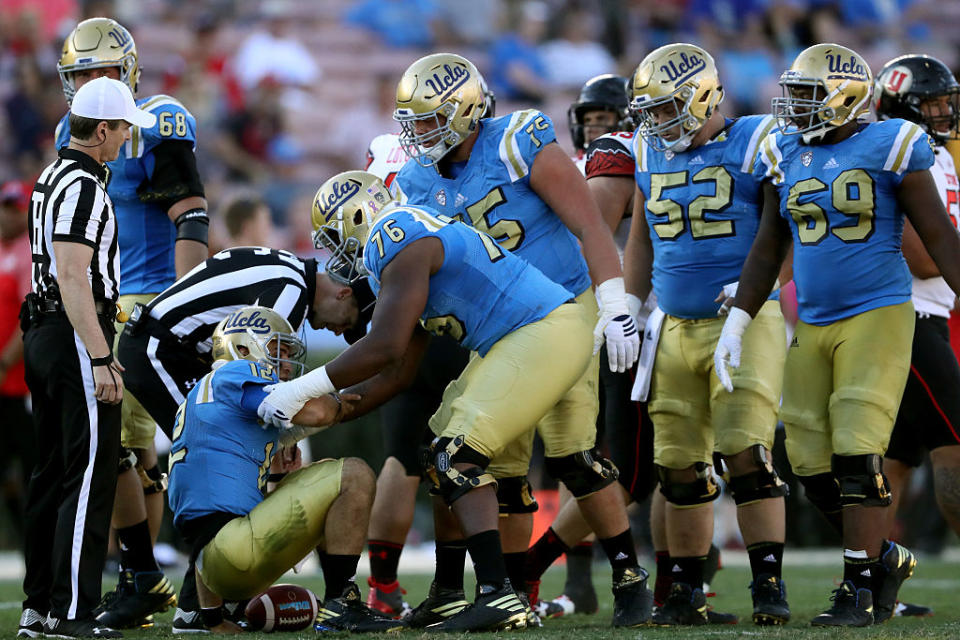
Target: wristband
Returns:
[[339, 413], [612, 297], [102, 362]]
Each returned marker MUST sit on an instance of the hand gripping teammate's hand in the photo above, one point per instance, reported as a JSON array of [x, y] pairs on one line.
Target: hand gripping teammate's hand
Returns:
[[616, 326]]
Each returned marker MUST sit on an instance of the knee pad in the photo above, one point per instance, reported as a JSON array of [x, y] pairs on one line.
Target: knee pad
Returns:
[[448, 482], [861, 480], [514, 495], [757, 485], [127, 459], [689, 494], [152, 479], [824, 493], [584, 472]]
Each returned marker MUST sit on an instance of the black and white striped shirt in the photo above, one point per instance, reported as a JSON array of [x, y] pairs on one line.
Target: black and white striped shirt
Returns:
[[192, 307], [70, 204]]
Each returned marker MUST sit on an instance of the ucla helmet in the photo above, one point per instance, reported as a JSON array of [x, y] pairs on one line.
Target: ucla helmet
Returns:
[[606, 92], [904, 83], [684, 76], [344, 209], [839, 84], [446, 91], [94, 44], [254, 328]]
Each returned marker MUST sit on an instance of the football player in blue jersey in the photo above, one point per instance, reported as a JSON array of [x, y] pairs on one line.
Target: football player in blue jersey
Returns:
[[531, 344], [162, 221], [224, 457], [696, 211], [839, 189], [507, 177]]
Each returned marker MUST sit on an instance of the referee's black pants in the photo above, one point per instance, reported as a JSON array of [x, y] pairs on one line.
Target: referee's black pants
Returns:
[[70, 497]]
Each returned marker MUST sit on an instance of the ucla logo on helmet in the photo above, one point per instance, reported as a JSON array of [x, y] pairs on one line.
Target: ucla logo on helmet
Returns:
[[451, 79], [847, 68], [240, 322], [681, 68], [340, 192], [121, 38]]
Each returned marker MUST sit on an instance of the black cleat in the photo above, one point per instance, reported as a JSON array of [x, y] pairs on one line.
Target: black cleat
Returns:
[[899, 564], [85, 628], [632, 601], [533, 618], [440, 604], [913, 610], [719, 617], [31, 624], [348, 613], [683, 606], [496, 608], [852, 607], [136, 597], [769, 601]]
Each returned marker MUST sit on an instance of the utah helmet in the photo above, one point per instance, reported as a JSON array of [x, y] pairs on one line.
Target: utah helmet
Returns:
[[682, 75], [606, 92], [839, 84], [343, 210], [254, 328], [94, 44], [439, 85], [904, 83]]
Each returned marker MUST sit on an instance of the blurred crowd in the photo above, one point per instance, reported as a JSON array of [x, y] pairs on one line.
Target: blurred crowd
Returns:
[[287, 93]]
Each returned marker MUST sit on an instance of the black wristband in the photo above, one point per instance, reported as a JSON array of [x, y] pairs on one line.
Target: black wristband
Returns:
[[276, 477], [102, 362], [211, 617], [193, 225]]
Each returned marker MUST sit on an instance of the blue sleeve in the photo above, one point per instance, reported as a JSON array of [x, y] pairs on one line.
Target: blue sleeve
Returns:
[[922, 156], [240, 383], [62, 134], [534, 133], [252, 395], [390, 235], [174, 122]]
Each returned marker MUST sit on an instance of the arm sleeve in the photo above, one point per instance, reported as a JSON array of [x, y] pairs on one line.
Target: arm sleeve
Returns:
[[252, 394], [174, 176]]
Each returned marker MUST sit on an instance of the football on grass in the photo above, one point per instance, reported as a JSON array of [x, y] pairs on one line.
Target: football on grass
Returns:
[[282, 607]]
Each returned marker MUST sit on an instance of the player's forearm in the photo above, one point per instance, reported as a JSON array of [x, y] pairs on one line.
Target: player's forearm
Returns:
[[637, 268], [759, 274], [192, 250], [600, 252], [77, 298]]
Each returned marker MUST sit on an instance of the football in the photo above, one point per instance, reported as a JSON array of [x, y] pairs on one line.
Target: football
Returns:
[[282, 607]]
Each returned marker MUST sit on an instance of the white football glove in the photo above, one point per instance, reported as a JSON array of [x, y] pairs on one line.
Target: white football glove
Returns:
[[285, 399], [725, 298], [727, 354], [271, 414], [616, 325]]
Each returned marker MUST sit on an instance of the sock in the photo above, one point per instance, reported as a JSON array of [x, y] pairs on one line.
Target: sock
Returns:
[[515, 563], [542, 554], [620, 551], [136, 548], [188, 600], [487, 556], [661, 588], [338, 572], [766, 558], [384, 559], [579, 568], [688, 570], [859, 569], [451, 555]]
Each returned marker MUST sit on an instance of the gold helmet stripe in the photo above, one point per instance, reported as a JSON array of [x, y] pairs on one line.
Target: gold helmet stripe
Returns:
[[771, 157], [763, 128], [509, 148], [902, 147]]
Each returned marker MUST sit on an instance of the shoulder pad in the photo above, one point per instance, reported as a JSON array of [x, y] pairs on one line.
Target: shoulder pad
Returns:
[[610, 155], [908, 139], [762, 126], [174, 122], [525, 133]]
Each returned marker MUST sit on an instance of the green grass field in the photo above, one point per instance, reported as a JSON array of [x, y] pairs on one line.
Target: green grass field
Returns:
[[935, 583]]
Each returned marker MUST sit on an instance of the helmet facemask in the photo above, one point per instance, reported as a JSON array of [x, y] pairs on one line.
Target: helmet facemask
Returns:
[[653, 130], [345, 264], [812, 117], [430, 147], [268, 350], [942, 118]]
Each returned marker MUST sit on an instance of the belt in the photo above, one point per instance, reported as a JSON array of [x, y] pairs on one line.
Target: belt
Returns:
[[54, 306]]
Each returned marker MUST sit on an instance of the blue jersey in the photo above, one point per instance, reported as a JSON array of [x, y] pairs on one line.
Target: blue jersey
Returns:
[[493, 194], [702, 207], [146, 235], [221, 454], [841, 203], [480, 293]]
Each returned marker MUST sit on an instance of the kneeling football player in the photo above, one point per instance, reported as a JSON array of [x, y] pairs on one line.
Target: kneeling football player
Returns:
[[219, 466]]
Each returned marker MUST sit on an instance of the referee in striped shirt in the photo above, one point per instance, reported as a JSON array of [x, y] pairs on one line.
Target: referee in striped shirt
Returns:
[[76, 385]]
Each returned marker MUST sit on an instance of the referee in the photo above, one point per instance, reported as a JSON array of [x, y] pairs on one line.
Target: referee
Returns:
[[76, 385], [165, 347]]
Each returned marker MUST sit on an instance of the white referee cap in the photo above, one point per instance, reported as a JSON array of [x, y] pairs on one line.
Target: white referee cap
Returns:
[[109, 99]]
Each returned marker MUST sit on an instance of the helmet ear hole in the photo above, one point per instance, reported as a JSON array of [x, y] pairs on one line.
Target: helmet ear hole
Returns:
[[357, 217]]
